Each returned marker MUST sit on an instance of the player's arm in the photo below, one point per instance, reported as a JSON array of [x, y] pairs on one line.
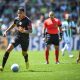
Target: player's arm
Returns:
[[8, 29], [11, 27], [60, 29], [44, 33], [29, 29], [44, 29]]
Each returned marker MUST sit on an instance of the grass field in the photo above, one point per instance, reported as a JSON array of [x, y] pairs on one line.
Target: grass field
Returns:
[[66, 70]]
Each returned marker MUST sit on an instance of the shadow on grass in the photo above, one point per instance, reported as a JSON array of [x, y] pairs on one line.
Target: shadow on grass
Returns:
[[26, 71], [36, 71]]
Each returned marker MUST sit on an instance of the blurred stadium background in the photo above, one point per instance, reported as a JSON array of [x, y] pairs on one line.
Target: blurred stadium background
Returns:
[[37, 10]]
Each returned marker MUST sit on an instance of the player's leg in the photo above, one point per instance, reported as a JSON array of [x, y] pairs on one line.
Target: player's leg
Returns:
[[13, 44], [6, 55], [69, 49], [78, 59], [57, 54], [47, 47], [64, 44], [47, 54], [24, 45], [56, 46], [63, 49], [69, 46], [25, 55]]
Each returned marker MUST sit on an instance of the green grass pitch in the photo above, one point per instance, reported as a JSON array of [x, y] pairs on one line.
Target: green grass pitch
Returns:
[[66, 70]]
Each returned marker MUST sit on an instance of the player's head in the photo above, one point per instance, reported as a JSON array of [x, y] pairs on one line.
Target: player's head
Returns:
[[21, 13], [51, 14], [66, 16], [42, 17]]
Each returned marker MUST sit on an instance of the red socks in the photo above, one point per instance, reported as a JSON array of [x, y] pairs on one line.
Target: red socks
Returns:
[[47, 55], [56, 54]]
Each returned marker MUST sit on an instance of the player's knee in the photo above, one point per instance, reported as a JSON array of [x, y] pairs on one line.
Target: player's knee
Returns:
[[56, 47], [48, 47], [8, 50]]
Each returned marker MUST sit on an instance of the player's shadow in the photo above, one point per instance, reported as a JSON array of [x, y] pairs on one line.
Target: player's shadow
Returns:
[[39, 71], [35, 71], [29, 71]]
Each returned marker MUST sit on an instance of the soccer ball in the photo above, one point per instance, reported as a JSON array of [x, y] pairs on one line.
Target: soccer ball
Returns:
[[15, 67]]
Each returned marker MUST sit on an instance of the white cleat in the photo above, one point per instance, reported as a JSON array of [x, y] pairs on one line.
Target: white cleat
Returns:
[[58, 62], [46, 62], [1, 68], [71, 56]]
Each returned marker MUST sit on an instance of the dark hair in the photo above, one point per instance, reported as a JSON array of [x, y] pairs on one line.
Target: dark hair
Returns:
[[21, 9]]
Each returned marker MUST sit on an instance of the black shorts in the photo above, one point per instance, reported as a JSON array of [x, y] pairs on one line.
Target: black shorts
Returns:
[[52, 39], [21, 39]]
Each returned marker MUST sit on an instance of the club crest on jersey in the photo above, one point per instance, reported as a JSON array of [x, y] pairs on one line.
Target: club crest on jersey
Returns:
[[20, 23]]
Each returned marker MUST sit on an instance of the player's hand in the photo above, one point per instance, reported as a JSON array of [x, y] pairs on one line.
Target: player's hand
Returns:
[[44, 39], [60, 39], [63, 30], [21, 29], [4, 34]]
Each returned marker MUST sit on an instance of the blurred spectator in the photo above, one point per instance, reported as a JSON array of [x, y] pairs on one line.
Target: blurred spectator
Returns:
[[34, 8], [39, 25], [3, 40], [1, 22]]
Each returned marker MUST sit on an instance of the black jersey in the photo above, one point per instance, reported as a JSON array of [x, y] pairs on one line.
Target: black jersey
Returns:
[[22, 38], [25, 23]]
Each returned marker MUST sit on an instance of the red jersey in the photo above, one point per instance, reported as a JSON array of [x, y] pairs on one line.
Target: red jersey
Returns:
[[52, 25]]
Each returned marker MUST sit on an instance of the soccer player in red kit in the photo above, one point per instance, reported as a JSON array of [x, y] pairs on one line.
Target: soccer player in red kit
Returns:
[[51, 28]]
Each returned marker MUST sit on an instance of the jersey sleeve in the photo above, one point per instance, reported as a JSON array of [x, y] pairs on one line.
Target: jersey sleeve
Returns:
[[29, 24], [15, 20], [60, 27], [59, 23]]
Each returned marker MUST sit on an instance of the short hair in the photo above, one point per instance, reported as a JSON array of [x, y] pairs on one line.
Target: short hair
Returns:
[[21, 9], [51, 13]]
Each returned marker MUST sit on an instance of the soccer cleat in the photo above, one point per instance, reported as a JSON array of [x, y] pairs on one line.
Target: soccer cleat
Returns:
[[58, 62], [27, 65], [71, 56], [46, 62], [1, 68]]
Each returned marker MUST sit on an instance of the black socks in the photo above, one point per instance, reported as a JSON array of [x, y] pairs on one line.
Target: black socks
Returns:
[[5, 57], [26, 57]]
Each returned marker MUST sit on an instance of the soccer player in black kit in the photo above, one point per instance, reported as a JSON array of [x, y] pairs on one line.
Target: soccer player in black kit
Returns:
[[23, 24]]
